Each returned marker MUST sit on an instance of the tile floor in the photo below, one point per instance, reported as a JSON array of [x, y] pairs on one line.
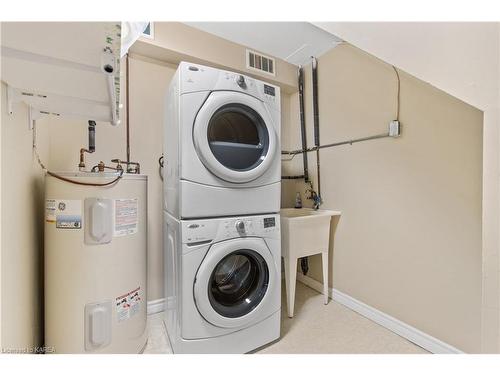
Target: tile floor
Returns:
[[315, 328], [158, 340]]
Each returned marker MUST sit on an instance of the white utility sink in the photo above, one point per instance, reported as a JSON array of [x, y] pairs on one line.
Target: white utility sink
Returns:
[[304, 232]]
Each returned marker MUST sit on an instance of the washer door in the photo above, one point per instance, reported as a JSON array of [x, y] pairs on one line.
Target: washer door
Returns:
[[234, 136], [233, 282]]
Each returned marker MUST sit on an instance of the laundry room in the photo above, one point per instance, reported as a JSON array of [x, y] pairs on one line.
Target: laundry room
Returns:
[[201, 188]]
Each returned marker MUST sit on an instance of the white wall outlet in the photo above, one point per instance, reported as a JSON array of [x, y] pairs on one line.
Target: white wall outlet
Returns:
[[394, 128]]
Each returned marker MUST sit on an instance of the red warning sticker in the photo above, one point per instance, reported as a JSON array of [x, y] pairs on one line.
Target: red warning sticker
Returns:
[[128, 305]]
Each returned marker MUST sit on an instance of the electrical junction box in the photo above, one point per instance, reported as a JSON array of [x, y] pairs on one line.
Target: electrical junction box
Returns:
[[394, 128]]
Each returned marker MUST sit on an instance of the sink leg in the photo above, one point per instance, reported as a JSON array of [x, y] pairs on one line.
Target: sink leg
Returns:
[[290, 281], [324, 260]]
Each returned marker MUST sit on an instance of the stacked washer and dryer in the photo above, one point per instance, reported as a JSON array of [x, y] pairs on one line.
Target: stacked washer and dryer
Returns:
[[222, 198]]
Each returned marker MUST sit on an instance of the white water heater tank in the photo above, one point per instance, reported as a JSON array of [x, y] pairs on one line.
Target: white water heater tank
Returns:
[[95, 264]]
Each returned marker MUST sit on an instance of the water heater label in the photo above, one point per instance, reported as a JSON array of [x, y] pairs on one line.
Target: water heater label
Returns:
[[65, 213], [126, 216], [128, 305]]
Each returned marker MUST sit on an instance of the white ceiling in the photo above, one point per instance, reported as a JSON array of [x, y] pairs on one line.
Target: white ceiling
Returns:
[[294, 42], [461, 58]]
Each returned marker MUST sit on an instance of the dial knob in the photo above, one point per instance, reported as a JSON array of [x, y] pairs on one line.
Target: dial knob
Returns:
[[240, 226], [240, 80]]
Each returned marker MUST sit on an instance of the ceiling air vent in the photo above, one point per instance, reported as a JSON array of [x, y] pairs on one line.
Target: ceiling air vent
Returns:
[[257, 61]]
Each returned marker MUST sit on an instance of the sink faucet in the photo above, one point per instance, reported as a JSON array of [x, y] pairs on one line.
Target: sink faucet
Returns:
[[312, 195]]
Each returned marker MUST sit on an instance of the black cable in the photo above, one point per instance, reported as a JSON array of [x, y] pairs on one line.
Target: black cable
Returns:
[[160, 168], [399, 90]]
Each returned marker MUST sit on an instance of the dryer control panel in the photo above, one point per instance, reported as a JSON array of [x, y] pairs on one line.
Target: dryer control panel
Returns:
[[195, 78]]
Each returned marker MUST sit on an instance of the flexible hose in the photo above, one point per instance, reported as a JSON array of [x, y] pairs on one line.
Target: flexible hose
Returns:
[[84, 183]]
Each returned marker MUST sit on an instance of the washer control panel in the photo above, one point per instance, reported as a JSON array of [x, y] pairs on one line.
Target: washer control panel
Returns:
[[269, 222], [238, 227], [207, 230], [249, 226]]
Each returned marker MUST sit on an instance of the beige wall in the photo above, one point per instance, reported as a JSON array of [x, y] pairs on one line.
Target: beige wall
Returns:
[[449, 56], [147, 102], [22, 232], [409, 239]]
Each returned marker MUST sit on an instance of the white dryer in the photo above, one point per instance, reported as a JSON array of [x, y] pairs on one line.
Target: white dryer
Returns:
[[222, 144], [222, 283]]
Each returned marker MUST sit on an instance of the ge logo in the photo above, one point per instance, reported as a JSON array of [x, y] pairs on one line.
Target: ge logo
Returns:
[[62, 206]]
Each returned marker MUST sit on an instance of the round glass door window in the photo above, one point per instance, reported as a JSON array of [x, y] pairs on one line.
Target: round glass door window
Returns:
[[238, 137], [238, 283]]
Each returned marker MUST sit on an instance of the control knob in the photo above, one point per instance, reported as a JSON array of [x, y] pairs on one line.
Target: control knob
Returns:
[[240, 80], [240, 226]]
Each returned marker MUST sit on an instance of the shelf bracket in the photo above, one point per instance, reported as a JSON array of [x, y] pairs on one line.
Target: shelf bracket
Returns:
[[33, 115], [13, 96], [66, 104]]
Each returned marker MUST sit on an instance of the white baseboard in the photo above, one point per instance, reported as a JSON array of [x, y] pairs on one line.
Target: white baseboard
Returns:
[[410, 333], [156, 306]]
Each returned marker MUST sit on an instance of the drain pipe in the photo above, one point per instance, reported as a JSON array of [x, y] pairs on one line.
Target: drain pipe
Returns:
[[90, 149], [131, 166], [303, 123], [128, 111], [317, 200], [304, 176], [315, 196]]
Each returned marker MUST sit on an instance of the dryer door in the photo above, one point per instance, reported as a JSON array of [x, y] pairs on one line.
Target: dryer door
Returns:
[[234, 281], [234, 136]]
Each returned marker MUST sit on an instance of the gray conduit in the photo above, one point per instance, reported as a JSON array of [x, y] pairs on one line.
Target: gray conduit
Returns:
[[304, 262], [316, 126], [304, 176], [342, 143], [303, 123]]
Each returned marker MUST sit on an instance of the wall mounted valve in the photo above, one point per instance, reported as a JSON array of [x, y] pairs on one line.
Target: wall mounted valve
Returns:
[[131, 166]]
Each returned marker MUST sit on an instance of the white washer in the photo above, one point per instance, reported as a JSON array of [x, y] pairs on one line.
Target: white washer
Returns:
[[222, 287], [222, 144]]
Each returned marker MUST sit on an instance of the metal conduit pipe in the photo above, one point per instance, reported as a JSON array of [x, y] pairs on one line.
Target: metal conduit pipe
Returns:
[[303, 123], [316, 196], [127, 125], [342, 143], [316, 127], [305, 176]]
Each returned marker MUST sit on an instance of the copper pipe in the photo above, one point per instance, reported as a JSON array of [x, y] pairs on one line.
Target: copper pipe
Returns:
[[81, 165], [127, 110]]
